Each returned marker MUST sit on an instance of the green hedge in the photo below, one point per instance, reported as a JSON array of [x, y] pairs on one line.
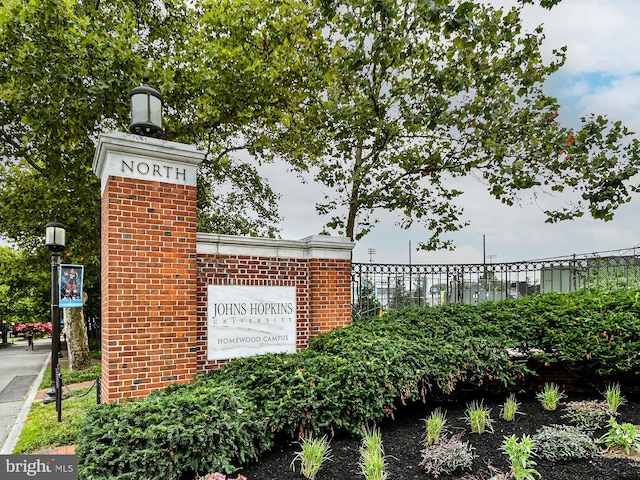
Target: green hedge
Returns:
[[352, 376], [596, 332], [201, 427]]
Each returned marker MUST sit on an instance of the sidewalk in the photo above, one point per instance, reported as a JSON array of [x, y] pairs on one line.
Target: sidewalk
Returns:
[[21, 373]]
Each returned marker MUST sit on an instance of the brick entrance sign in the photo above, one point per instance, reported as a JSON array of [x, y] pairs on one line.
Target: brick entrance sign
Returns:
[[176, 303]]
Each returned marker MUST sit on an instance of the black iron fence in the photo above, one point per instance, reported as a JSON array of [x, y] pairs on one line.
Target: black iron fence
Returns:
[[377, 288]]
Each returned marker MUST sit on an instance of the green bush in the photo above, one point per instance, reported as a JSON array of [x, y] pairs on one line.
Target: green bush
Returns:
[[352, 376], [561, 443], [195, 428], [593, 331], [447, 456]]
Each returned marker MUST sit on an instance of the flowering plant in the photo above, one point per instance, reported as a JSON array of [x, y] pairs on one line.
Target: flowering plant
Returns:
[[33, 328], [220, 476]]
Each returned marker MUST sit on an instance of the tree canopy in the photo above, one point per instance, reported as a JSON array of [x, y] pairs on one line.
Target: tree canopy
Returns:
[[388, 101], [418, 94], [24, 289]]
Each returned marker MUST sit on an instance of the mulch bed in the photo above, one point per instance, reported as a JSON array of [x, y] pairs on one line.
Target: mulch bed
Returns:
[[402, 439]]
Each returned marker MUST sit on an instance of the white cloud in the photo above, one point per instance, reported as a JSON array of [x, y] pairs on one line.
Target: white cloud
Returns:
[[600, 35]]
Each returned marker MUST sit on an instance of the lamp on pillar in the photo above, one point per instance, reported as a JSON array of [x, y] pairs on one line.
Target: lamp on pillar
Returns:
[[55, 242], [146, 111]]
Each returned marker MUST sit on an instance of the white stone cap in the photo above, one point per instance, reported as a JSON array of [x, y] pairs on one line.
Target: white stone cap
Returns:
[[145, 158], [314, 246]]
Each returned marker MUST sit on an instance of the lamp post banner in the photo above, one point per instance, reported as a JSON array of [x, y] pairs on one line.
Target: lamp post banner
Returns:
[[71, 277]]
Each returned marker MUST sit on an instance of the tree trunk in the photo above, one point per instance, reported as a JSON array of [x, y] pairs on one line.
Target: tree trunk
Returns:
[[77, 342], [354, 197]]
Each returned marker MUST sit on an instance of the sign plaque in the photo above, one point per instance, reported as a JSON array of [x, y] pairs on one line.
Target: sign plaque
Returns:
[[243, 321]]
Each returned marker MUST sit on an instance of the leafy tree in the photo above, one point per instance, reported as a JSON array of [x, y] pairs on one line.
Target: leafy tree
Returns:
[[388, 102], [418, 94], [227, 69], [25, 289]]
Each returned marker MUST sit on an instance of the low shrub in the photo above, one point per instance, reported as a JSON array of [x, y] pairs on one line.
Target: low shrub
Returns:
[[589, 415], [623, 435], [561, 443], [447, 456], [195, 428], [352, 376]]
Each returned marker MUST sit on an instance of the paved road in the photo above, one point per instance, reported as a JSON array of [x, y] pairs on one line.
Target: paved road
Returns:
[[19, 370]]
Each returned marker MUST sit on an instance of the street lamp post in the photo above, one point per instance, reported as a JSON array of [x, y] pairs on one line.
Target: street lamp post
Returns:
[[55, 242]]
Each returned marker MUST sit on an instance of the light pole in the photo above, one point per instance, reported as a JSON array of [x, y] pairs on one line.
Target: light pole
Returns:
[[55, 242]]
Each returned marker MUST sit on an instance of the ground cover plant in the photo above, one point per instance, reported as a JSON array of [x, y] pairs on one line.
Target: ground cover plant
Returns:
[[363, 373], [560, 443]]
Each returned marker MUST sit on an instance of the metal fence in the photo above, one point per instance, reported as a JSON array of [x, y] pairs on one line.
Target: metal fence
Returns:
[[377, 288]]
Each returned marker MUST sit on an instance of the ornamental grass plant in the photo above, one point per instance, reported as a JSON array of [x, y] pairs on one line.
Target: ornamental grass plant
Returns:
[[313, 453], [550, 396], [372, 463], [613, 397], [434, 425], [478, 416], [510, 408]]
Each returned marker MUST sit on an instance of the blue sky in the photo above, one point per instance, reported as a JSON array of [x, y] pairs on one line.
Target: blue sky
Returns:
[[601, 75]]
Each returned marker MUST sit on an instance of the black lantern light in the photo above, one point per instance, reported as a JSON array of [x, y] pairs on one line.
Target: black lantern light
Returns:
[[54, 238], [55, 233], [146, 111]]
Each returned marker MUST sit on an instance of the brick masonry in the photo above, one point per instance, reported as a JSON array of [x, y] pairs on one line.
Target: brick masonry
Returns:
[[323, 285], [156, 269]]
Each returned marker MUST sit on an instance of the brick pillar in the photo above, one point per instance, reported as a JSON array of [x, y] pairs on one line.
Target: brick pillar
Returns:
[[149, 272], [330, 294]]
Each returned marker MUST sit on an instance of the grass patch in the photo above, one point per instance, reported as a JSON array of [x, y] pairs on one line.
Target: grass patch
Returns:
[[42, 430], [79, 376]]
